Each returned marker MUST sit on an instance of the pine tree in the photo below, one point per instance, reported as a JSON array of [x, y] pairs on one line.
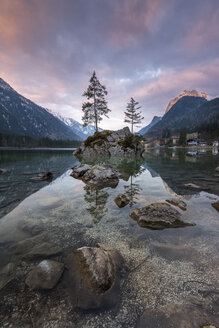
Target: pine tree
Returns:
[[132, 115], [96, 106]]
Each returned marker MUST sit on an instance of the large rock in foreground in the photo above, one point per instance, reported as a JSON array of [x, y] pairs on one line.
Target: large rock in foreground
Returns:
[[97, 175], [93, 277], [111, 143], [158, 216]]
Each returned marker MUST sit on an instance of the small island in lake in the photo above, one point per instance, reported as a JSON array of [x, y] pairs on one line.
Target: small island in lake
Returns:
[[111, 143]]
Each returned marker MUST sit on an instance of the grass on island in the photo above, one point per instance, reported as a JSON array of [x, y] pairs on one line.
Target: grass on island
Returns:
[[97, 139]]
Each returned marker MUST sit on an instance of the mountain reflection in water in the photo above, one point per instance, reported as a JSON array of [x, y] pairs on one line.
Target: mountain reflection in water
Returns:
[[22, 166]]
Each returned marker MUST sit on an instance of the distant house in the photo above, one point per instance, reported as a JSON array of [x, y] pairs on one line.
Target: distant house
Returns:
[[215, 143], [147, 145], [192, 142], [162, 142], [202, 143], [156, 143], [175, 140]]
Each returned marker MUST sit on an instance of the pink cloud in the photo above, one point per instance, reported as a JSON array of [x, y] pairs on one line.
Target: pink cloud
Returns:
[[203, 31], [196, 77], [133, 18]]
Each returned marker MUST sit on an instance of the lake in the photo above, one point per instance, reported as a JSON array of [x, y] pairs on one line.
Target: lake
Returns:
[[168, 272]]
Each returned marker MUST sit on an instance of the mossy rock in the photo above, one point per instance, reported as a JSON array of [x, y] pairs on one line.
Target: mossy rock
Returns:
[[97, 139]]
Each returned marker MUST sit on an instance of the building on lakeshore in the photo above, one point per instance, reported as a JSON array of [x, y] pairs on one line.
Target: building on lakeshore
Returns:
[[175, 140], [202, 143], [192, 142]]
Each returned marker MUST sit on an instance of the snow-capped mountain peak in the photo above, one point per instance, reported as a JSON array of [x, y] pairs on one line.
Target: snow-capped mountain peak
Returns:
[[82, 131]]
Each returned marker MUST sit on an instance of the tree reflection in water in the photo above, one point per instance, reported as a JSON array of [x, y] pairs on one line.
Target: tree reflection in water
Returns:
[[133, 189], [97, 199], [128, 168]]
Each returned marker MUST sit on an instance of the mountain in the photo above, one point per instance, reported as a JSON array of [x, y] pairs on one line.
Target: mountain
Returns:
[[19, 115], [154, 121], [82, 131], [187, 111], [206, 114], [192, 93]]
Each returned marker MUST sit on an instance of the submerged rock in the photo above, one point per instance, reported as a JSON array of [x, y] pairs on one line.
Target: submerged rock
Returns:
[[6, 274], [192, 185], [42, 251], [121, 200], [111, 143], [177, 202], [44, 176], [79, 170], [93, 277], [97, 175], [45, 275], [216, 205], [191, 314], [158, 216], [32, 226]]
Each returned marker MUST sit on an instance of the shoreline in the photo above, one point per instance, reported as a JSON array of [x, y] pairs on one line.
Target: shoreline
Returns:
[[35, 148], [184, 147]]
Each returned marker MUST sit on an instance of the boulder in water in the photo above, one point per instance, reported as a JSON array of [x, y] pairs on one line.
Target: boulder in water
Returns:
[[158, 216], [121, 200], [216, 205], [177, 202], [97, 175], [45, 275], [93, 277]]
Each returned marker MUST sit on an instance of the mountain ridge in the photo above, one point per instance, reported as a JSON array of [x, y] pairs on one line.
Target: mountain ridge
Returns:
[[82, 131], [20, 115], [154, 121], [189, 93], [190, 112]]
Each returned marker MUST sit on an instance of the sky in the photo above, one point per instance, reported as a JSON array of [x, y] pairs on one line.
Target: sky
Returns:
[[151, 50]]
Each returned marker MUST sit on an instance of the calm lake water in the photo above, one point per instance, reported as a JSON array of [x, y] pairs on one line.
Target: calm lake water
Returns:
[[166, 267]]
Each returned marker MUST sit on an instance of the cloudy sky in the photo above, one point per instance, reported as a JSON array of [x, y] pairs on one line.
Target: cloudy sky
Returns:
[[147, 49]]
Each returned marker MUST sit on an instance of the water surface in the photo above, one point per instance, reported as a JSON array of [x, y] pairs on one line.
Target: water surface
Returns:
[[164, 266]]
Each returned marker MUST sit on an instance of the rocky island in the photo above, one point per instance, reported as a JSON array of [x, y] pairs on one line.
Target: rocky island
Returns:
[[111, 143]]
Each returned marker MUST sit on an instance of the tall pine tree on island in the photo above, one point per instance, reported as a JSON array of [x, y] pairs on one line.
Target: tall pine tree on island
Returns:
[[96, 106], [133, 116]]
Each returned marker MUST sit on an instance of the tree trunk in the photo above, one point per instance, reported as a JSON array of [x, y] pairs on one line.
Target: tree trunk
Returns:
[[95, 113]]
